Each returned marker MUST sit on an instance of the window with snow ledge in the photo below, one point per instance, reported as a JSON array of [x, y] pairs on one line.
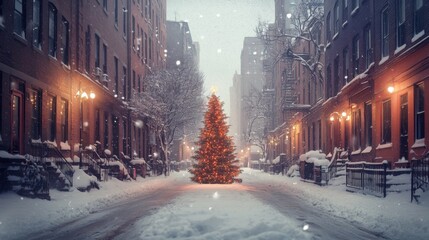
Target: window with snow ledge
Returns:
[[400, 48], [367, 150], [383, 146], [384, 59], [358, 151], [419, 143], [418, 35]]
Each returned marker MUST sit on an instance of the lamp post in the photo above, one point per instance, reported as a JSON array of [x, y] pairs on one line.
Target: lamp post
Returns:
[[82, 95]]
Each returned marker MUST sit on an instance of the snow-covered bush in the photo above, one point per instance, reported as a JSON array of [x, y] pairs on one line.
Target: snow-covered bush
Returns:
[[83, 182]]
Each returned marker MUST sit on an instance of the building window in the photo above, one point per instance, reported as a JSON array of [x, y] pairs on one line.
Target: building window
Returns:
[[139, 83], [419, 17], [134, 79], [19, 18], [346, 65], [355, 4], [150, 48], [65, 41], [328, 27], [133, 22], [145, 47], [106, 130], [52, 30], [1, 105], [400, 23], [336, 18], [97, 51], [1, 13], [36, 113], [328, 81], [104, 58], [385, 32], [345, 10], [356, 129], [116, 62], [52, 112], [419, 111], [64, 112], [37, 24], [124, 82], [88, 50], [386, 133], [115, 135], [368, 46], [97, 125], [146, 9], [368, 123], [116, 13], [336, 75], [125, 146], [105, 5], [356, 55], [124, 22]]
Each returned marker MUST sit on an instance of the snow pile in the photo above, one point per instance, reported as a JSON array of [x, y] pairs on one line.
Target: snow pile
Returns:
[[293, 171], [316, 157], [82, 181]]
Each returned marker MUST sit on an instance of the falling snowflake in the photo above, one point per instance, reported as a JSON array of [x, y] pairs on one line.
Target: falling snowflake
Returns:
[[215, 195], [139, 123], [202, 37], [201, 16], [85, 124], [210, 208], [305, 228], [218, 15], [219, 50]]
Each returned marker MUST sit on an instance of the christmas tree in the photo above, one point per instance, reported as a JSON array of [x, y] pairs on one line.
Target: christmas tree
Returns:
[[215, 155]]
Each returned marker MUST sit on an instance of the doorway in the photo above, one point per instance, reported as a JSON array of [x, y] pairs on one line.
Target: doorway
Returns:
[[17, 123]]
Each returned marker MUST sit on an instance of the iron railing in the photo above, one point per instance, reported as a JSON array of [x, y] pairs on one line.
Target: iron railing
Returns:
[[48, 152], [368, 177], [419, 176]]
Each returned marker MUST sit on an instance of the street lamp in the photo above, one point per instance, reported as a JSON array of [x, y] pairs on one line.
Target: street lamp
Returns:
[[82, 95]]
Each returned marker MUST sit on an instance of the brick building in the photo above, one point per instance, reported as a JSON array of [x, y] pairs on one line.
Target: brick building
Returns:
[[371, 46], [55, 56], [370, 100]]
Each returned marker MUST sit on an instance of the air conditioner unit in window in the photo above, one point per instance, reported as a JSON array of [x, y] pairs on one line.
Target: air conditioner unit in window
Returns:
[[105, 78], [98, 71]]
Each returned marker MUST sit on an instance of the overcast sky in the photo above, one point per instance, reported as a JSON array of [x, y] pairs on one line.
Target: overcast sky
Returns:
[[220, 27]]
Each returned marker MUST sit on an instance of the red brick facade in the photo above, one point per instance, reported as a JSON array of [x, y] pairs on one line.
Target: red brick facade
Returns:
[[108, 55]]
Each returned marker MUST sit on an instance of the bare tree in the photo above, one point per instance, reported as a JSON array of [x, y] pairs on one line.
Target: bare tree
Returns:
[[303, 25], [258, 109], [172, 100]]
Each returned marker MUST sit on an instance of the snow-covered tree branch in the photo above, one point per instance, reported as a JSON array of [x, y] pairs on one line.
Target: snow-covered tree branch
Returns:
[[172, 100], [302, 26]]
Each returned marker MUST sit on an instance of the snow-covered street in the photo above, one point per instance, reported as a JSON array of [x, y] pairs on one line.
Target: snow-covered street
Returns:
[[262, 207]]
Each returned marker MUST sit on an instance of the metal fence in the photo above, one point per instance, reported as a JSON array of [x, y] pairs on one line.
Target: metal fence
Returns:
[[367, 177], [419, 176]]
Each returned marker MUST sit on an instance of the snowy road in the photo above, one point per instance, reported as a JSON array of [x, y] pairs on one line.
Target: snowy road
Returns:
[[254, 209], [112, 221]]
